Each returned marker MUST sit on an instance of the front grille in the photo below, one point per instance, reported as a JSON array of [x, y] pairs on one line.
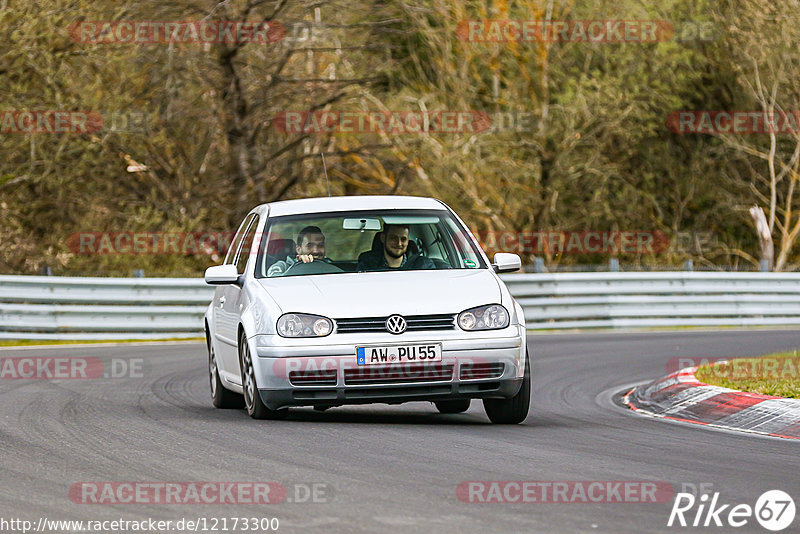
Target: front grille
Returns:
[[406, 373], [473, 371], [378, 324], [326, 377]]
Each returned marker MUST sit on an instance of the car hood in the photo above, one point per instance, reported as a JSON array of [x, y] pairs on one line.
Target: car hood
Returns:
[[380, 294]]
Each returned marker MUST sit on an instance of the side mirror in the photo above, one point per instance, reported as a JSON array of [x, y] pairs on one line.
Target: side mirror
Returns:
[[222, 274], [506, 263]]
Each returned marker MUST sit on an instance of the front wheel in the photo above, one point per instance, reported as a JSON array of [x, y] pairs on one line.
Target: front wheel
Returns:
[[514, 410], [252, 400]]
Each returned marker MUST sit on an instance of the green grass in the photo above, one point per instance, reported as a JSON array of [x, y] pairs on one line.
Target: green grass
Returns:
[[774, 374], [34, 342]]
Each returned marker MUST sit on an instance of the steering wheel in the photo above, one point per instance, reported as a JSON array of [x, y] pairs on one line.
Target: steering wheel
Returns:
[[315, 267]]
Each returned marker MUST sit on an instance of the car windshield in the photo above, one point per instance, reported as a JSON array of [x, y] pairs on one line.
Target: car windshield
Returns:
[[365, 241]]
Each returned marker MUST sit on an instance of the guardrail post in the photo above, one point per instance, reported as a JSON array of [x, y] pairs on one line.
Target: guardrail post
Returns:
[[764, 266], [538, 266], [613, 265], [138, 273], [688, 265]]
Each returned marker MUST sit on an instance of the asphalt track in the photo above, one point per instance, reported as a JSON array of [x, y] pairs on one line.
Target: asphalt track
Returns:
[[385, 468]]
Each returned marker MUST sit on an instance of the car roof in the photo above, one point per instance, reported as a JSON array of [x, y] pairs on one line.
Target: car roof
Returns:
[[346, 203]]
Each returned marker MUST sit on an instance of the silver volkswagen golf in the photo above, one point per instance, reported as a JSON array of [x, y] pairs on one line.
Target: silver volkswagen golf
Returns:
[[325, 302]]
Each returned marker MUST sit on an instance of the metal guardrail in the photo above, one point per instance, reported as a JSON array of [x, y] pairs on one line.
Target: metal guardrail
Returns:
[[656, 299], [46, 307], [50, 307]]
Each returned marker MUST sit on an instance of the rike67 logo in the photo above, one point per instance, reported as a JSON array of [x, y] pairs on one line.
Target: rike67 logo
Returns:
[[774, 510]]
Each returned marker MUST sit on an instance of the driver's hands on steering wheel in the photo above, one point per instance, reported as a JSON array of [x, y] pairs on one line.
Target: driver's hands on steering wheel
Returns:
[[305, 258]]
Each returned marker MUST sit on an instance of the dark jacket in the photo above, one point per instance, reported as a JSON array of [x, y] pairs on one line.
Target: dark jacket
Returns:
[[377, 262]]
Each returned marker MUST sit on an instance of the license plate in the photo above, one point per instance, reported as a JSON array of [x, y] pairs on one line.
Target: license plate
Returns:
[[392, 354]]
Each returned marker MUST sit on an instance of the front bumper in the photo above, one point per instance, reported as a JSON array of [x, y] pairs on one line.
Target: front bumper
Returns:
[[316, 372]]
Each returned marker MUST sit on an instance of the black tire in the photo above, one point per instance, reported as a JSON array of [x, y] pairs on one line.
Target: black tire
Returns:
[[453, 406], [252, 400], [220, 397], [514, 410]]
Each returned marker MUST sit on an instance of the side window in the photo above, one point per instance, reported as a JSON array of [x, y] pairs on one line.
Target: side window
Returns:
[[247, 244], [237, 239]]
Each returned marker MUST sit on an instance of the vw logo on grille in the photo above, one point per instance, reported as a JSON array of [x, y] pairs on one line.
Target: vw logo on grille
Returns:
[[395, 324]]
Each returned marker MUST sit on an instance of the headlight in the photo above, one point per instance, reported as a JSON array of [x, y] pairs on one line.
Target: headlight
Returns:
[[491, 317], [304, 325]]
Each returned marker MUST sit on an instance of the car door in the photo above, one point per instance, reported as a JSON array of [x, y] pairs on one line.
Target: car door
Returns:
[[233, 304], [224, 323]]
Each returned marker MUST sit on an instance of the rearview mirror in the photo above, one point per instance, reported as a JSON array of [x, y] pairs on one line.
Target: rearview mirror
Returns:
[[361, 224], [505, 262], [222, 274]]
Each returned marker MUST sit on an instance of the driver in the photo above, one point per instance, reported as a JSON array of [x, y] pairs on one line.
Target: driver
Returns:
[[310, 247], [395, 253]]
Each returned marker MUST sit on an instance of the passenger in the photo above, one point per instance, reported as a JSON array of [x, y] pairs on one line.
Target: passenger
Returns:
[[394, 254]]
